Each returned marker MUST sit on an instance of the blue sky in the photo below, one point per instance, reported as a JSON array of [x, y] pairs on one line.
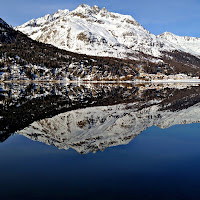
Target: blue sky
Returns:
[[181, 17]]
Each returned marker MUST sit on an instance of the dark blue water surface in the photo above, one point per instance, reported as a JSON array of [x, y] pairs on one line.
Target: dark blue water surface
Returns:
[[152, 163], [157, 164]]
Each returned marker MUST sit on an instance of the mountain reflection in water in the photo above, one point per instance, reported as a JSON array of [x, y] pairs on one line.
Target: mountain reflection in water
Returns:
[[93, 117]]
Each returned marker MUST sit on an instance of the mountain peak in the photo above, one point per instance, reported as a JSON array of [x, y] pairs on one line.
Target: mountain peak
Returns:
[[62, 11], [188, 44], [83, 7], [166, 33], [96, 8], [104, 10], [171, 35], [88, 10]]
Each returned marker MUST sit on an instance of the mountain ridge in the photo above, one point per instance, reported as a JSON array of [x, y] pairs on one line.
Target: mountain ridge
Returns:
[[23, 58], [185, 43], [95, 31]]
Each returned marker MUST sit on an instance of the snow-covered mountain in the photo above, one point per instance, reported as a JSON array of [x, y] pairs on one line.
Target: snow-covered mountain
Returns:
[[92, 129], [187, 44], [95, 31], [23, 58]]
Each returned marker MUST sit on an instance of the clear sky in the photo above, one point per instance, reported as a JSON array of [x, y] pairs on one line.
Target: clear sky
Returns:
[[181, 17]]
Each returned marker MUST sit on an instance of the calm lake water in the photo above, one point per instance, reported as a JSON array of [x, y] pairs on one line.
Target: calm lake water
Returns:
[[99, 141]]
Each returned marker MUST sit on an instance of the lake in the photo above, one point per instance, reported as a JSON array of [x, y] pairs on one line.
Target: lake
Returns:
[[99, 141]]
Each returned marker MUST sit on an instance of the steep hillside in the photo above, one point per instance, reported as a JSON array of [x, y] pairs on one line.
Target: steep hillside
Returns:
[[24, 58], [7, 34]]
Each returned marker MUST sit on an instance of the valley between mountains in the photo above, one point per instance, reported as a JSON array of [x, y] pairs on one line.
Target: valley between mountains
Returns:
[[93, 44]]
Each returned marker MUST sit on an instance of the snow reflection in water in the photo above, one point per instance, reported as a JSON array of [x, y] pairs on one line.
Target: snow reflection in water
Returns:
[[89, 117]]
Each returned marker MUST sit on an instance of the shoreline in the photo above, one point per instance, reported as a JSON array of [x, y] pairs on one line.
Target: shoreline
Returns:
[[85, 82]]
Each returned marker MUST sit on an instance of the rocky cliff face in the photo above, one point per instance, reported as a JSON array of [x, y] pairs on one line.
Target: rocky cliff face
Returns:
[[95, 31]]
